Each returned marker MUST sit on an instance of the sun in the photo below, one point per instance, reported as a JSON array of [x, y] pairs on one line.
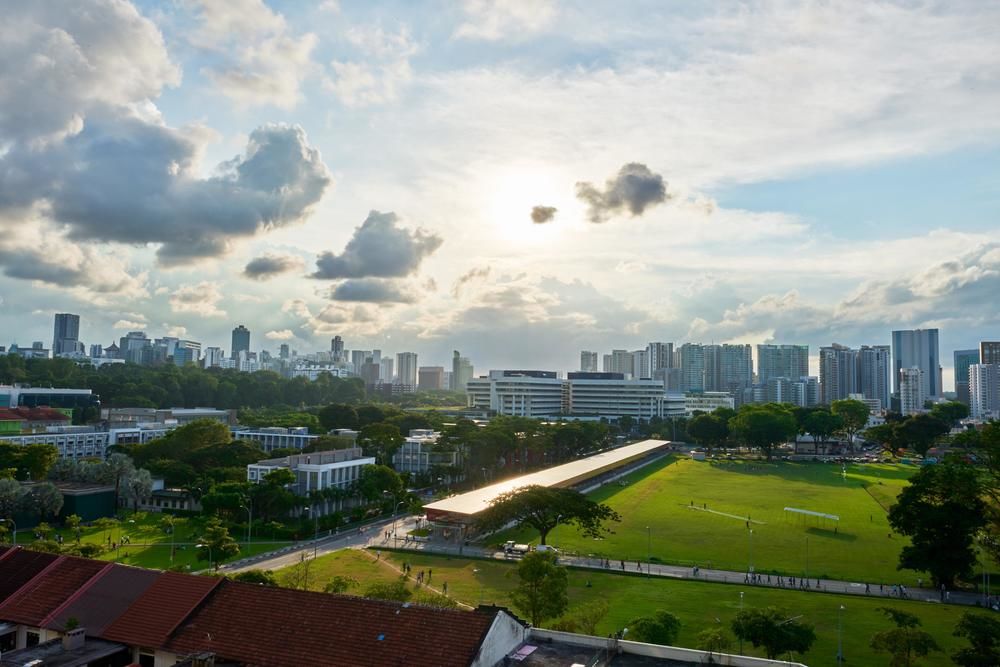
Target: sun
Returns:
[[512, 192]]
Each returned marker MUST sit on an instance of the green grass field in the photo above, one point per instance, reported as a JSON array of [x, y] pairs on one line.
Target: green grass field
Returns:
[[670, 498], [698, 605], [151, 547]]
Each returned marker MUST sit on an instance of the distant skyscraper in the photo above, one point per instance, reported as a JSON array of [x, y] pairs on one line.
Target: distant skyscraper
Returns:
[[213, 357], [911, 390], [386, 372], [358, 358], [283, 351], [241, 342], [430, 378], [692, 366], [66, 334], [640, 364], [619, 361], [984, 391], [838, 373], [788, 361], [964, 359], [660, 356], [337, 348], [588, 362], [96, 351], [989, 352], [370, 372], [461, 371], [875, 369], [918, 348], [728, 368], [187, 352], [132, 345], [406, 369]]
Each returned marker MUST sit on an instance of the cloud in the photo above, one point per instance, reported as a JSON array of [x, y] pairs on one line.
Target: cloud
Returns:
[[200, 299], [130, 325], [175, 330], [379, 248], [268, 266], [492, 20], [542, 214], [478, 273], [354, 320], [634, 189], [126, 179], [61, 60], [371, 290], [379, 77], [261, 62], [284, 334]]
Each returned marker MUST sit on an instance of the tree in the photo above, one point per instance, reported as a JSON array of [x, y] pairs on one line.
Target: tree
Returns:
[[37, 459], [393, 590], [904, 643], [544, 508], [46, 499], [983, 634], [940, 510], [714, 640], [921, 431], [11, 497], [374, 480], [138, 487], [73, 523], [660, 628], [587, 616], [887, 436], [218, 544], [381, 441], [708, 431], [854, 417], [340, 584], [541, 590], [118, 467], [950, 412], [821, 424], [338, 416], [774, 630], [260, 577], [764, 427]]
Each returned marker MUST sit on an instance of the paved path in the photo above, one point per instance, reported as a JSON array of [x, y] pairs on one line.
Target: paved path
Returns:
[[718, 576]]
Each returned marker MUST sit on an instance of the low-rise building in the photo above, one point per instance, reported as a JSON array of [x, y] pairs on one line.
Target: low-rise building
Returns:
[[707, 401], [337, 469], [419, 456], [271, 438]]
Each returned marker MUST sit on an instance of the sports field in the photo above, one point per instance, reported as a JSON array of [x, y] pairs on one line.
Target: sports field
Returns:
[[696, 513], [698, 605]]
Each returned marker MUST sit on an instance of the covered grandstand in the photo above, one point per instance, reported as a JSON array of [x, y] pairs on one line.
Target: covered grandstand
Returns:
[[460, 511]]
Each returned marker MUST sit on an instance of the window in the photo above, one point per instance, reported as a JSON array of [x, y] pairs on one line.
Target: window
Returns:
[[31, 639], [147, 658]]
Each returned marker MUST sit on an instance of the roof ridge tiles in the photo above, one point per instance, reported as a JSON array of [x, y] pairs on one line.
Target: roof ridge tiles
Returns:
[[47, 621]]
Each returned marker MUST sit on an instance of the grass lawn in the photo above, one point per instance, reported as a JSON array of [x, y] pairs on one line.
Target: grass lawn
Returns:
[[151, 547], [698, 605], [671, 497]]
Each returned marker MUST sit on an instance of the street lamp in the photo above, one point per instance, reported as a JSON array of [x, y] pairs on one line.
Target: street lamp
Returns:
[[315, 514], [206, 546], [741, 611], [13, 530], [247, 507], [840, 635], [750, 559], [649, 552]]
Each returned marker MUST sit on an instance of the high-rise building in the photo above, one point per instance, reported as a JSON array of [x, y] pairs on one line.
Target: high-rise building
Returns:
[[660, 356], [588, 362], [131, 346], [66, 334], [875, 370], [787, 361], [640, 364], [358, 358], [406, 369], [386, 372], [283, 351], [96, 351], [430, 378], [461, 371], [838, 373], [918, 348], [964, 359], [337, 348], [241, 341], [911, 390], [984, 391], [371, 372], [213, 357], [728, 368], [187, 351], [692, 366], [989, 352], [619, 361]]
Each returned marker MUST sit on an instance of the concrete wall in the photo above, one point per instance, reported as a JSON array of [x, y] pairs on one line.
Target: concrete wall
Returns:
[[504, 637], [657, 651]]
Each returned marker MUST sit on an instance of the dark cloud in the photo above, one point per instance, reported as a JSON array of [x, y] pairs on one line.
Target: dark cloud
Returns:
[[268, 266], [371, 290], [634, 189], [380, 248], [542, 214], [68, 265]]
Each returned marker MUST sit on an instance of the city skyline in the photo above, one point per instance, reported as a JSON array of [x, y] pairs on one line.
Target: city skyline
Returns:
[[470, 181]]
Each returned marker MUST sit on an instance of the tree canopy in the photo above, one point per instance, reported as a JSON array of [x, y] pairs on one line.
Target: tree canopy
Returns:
[[544, 508], [905, 642], [774, 630], [541, 588], [661, 627], [983, 634], [764, 427]]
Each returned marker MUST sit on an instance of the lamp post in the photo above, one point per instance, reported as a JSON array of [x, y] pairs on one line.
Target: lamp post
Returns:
[[311, 509], [13, 530], [750, 558], [649, 552], [249, 523], [201, 545], [741, 611], [807, 558], [840, 635]]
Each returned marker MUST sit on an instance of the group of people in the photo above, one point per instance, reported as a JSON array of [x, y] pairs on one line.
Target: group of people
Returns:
[[421, 576]]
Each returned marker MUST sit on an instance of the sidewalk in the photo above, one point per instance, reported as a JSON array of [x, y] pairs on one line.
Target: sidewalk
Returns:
[[638, 568]]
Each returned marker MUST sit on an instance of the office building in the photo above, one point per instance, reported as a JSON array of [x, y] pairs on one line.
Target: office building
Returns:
[[785, 361], [964, 359], [386, 371], [337, 348], [918, 348], [419, 455], [186, 352], [619, 361], [358, 358], [839, 375], [430, 378], [240, 342], [131, 346], [612, 395], [213, 357], [989, 352], [525, 393], [588, 362], [283, 351], [461, 371], [911, 390], [660, 356], [406, 369], [640, 364], [96, 351], [335, 469], [875, 370], [692, 367], [984, 391], [66, 334]]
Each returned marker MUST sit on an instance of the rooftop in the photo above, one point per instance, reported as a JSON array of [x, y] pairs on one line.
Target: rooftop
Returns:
[[52, 654], [564, 475]]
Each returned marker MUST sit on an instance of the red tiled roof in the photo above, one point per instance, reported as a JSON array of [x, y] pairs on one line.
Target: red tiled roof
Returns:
[[155, 614], [276, 627], [41, 413], [44, 594], [106, 598], [18, 567], [8, 415]]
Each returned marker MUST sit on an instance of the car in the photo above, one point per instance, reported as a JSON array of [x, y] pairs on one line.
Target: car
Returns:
[[547, 547]]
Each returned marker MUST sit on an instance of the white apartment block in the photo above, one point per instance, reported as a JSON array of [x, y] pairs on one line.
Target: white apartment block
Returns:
[[911, 391], [338, 469], [984, 391], [707, 401], [275, 437], [417, 455], [525, 393]]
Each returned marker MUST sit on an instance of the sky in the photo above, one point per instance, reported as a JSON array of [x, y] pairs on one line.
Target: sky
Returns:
[[518, 180]]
